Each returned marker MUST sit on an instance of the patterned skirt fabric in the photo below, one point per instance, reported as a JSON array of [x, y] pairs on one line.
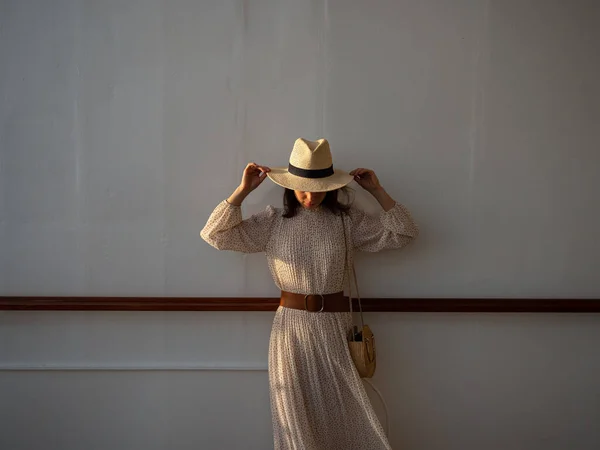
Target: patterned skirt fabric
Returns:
[[318, 400]]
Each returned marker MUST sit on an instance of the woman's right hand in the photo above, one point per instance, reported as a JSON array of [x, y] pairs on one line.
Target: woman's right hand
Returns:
[[253, 176]]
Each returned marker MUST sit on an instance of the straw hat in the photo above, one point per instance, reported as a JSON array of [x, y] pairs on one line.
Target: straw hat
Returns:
[[310, 169]]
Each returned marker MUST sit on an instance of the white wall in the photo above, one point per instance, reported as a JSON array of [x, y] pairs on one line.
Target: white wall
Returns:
[[122, 124]]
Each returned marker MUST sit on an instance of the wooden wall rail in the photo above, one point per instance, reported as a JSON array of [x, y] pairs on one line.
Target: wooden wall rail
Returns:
[[497, 305]]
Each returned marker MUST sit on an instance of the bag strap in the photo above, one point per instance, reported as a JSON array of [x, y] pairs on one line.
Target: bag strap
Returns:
[[347, 267]]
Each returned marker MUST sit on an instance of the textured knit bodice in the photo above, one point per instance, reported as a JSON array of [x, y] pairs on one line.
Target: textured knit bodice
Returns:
[[306, 253]]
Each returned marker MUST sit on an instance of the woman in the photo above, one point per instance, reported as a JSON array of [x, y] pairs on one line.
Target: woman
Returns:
[[318, 400]]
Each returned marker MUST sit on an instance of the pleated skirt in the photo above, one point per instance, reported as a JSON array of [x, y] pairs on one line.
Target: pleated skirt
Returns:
[[318, 400]]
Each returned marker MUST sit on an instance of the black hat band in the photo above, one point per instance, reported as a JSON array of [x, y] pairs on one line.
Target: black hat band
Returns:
[[311, 173]]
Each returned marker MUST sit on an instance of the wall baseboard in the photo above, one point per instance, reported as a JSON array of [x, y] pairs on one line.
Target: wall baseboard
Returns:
[[56, 303], [17, 367]]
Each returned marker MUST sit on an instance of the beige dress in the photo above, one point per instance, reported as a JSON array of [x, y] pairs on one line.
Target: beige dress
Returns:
[[318, 400]]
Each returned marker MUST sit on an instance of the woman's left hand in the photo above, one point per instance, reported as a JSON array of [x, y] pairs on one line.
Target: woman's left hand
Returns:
[[367, 179]]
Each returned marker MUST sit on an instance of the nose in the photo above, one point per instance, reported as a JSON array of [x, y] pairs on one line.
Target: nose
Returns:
[[310, 197]]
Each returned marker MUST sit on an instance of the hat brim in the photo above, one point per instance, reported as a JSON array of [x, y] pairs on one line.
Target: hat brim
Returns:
[[281, 176]]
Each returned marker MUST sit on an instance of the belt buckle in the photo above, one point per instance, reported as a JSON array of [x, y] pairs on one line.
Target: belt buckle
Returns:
[[306, 302]]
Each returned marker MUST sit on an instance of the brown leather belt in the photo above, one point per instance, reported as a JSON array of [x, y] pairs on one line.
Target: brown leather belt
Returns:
[[335, 302]]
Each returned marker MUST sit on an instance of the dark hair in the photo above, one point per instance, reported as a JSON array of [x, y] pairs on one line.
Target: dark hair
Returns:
[[331, 202]]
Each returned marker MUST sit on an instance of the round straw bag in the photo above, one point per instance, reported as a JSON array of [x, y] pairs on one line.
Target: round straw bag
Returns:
[[363, 353]]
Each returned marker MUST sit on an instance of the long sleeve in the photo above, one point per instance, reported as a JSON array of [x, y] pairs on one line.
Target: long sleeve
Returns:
[[225, 229], [388, 230]]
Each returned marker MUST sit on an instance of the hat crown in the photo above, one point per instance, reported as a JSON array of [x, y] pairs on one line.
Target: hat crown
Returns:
[[311, 155]]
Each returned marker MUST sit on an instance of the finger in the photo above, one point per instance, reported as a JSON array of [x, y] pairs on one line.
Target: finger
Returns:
[[253, 165], [261, 178], [261, 169], [366, 174]]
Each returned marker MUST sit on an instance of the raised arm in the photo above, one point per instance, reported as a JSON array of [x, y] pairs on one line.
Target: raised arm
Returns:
[[225, 228], [394, 227]]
